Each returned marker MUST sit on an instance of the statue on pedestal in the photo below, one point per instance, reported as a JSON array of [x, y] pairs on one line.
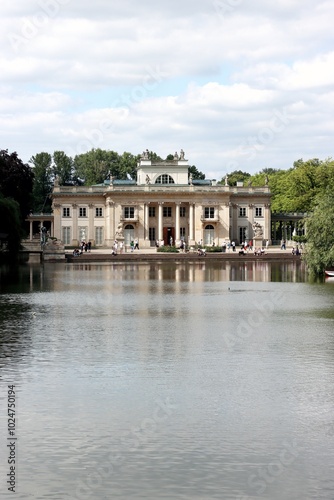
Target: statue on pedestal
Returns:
[[257, 230], [119, 232], [181, 154]]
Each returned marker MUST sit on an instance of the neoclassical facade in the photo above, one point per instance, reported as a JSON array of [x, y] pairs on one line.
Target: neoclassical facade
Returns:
[[162, 204]]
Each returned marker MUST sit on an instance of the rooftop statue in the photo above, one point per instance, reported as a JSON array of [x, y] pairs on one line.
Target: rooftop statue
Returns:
[[176, 156], [181, 154]]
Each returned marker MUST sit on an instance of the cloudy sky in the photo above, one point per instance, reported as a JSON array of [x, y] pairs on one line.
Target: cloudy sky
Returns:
[[237, 84]]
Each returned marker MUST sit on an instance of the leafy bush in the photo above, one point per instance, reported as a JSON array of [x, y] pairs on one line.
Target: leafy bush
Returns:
[[213, 249], [300, 239], [167, 249]]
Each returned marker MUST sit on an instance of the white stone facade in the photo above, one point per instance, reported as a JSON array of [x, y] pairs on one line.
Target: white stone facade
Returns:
[[163, 204]]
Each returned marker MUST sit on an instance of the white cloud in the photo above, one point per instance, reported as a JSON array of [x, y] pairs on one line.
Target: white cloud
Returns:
[[131, 75]]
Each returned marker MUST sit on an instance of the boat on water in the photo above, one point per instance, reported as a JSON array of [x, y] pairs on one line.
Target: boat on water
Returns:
[[329, 273]]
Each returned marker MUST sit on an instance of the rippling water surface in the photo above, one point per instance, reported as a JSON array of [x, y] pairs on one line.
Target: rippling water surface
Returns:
[[168, 381]]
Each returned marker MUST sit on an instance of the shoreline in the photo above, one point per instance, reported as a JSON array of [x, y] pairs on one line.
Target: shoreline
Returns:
[[105, 255]]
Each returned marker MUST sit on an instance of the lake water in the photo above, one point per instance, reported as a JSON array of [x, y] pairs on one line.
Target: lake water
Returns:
[[164, 381]]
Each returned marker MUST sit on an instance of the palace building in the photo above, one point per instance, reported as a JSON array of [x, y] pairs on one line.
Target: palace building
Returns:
[[164, 203]]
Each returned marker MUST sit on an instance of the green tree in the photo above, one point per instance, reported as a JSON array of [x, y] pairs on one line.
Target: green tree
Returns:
[[95, 166], [319, 253], [195, 172], [10, 225], [16, 181], [128, 165], [62, 168], [42, 182], [237, 176]]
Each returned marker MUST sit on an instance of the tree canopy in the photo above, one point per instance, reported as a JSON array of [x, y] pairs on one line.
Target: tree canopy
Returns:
[[43, 181], [319, 253], [16, 181], [294, 189], [10, 225]]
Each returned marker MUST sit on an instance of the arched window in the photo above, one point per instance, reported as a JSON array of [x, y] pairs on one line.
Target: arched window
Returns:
[[165, 179], [129, 234], [209, 234]]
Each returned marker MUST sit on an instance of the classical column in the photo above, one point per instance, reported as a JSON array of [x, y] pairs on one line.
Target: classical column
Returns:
[[160, 221], [57, 222], [177, 221], [234, 228], [109, 222], [75, 235], [91, 235], [250, 221], [31, 231], [267, 222], [146, 221], [191, 222]]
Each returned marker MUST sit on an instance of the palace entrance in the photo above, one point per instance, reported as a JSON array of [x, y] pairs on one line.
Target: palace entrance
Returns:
[[167, 234]]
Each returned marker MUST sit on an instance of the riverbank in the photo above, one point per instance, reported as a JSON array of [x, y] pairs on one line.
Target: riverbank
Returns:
[[105, 255]]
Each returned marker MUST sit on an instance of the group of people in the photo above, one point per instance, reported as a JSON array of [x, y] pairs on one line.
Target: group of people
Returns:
[[119, 246], [85, 246], [296, 250]]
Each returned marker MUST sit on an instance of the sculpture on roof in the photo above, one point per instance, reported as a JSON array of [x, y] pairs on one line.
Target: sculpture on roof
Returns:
[[145, 154], [176, 156], [181, 154], [226, 180]]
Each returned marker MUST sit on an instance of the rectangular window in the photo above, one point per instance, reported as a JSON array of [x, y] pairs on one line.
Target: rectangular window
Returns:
[[209, 212], [242, 212], [182, 211], [151, 233], [167, 211], [258, 212], [66, 236], [66, 212], [151, 211], [99, 235], [129, 212], [98, 212], [82, 212], [182, 232], [242, 234]]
